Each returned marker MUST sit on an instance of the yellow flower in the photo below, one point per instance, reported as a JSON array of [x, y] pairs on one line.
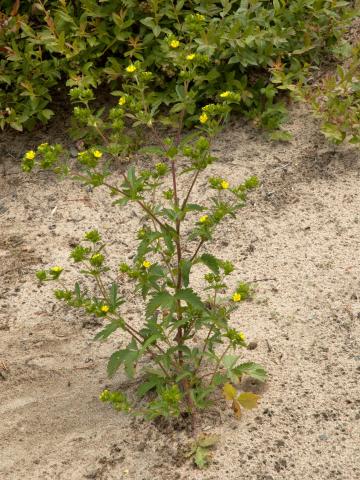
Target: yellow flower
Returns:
[[224, 184], [225, 94], [146, 264], [200, 17], [122, 101], [236, 297], [131, 69], [203, 118], [56, 269], [241, 337], [105, 308], [191, 56], [97, 154], [203, 219], [30, 155], [174, 43]]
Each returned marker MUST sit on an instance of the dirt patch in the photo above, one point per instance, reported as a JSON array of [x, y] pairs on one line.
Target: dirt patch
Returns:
[[298, 239]]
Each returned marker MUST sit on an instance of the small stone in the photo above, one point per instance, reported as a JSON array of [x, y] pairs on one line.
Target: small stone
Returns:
[[73, 152]]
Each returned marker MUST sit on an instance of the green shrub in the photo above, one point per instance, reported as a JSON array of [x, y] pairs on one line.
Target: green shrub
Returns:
[[335, 100], [238, 43]]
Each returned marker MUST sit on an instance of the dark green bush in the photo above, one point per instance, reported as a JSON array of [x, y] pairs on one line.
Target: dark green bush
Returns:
[[84, 43]]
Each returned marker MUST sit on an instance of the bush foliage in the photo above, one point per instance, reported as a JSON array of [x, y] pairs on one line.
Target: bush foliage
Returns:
[[256, 47], [335, 100]]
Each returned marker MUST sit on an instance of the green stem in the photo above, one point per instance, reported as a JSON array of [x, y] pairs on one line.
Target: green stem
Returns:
[[218, 363], [206, 341]]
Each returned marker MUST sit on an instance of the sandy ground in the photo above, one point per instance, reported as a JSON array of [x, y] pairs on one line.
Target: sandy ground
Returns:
[[301, 230]]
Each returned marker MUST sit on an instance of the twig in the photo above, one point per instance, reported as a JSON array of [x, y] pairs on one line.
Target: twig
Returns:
[[262, 280]]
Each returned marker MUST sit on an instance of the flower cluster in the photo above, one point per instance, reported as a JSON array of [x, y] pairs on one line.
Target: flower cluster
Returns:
[[236, 338]]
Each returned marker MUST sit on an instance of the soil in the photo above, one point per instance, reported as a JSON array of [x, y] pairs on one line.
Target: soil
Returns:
[[298, 240]]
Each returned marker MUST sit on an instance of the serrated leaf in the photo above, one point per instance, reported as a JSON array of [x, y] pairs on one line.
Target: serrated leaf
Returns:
[[161, 299], [115, 361], [276, 4], [332, 132], [190, 297], [122, 202], [281, 136], [229, 391], [149, 341], [248, 400], [201, 457], [252, 369], [109, 329], [146, 387], [185, 266], [229, 361], [193, 207], [152, 149], [113, 292], [127, 356], [211, 262]]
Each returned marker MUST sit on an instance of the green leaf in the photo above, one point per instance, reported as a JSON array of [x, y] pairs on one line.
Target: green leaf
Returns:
[[276, 4], [252, 369], [185, 266], [149, 341], [193, 207], [128, 357], [248, 400], [77, 291], [161, 299], [281, 136], [332, 132], [41, 275], [145, 387], [191, 298], [114, 301], [152, 149], [201, 457], [207, 441], [116, 359], [109, 329], [229, 361], [131, 176], [210, 261], [122, 201]]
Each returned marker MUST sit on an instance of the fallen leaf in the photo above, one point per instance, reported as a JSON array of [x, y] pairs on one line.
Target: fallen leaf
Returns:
[[248, 400]]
